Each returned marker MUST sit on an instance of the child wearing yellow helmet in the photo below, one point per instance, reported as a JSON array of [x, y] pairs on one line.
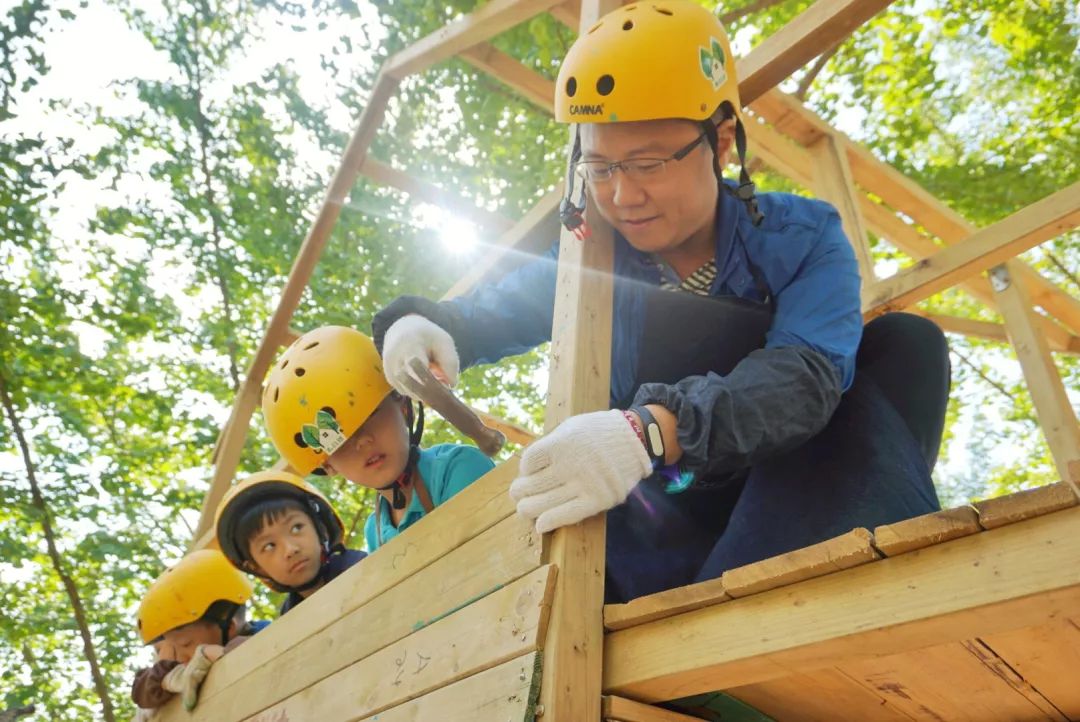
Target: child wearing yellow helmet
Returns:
[[329, 409], [281, 529], [192, 614]]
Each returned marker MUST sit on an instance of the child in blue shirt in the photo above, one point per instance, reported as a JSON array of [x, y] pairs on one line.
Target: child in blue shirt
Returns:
[[329, 408]]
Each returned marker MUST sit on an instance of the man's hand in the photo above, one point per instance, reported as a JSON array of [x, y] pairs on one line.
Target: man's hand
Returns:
[[587, 465], [415, 337]]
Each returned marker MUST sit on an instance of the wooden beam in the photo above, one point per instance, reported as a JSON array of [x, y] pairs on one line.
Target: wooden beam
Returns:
[[531, 85], [579, 382], [231, 444], [513, 432], [567, 13], [1023, 505], [995, 244], [1056, 417], [541, 217], [487, 21], [502, 626], [430, 193], [827, 557], [815, 31], [788, 115], [495, 558], [833, 183], [664, 604], [927, 530], [620, 709], [1016, 576], [1057, 338], [505, 692]]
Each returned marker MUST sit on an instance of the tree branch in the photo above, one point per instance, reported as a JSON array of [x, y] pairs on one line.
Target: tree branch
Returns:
[[815, 70], [1061, 267], [54, 555], [730, 17]]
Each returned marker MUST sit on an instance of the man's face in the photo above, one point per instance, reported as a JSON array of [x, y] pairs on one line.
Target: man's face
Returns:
[[658, 212], [179, 644], [288, 549]]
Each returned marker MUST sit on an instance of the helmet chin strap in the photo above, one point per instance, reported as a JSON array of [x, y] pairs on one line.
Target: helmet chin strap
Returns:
[[404, 481], [746, 188], [571, 213]]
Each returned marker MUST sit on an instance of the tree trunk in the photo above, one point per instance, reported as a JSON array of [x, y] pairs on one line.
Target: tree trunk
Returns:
[[54, 555]]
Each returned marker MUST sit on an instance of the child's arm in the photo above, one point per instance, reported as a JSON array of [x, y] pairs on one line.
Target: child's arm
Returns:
[[147, 690]]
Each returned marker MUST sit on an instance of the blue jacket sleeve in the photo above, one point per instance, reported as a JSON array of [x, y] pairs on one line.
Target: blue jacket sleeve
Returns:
[[493, 321], [780, 396]]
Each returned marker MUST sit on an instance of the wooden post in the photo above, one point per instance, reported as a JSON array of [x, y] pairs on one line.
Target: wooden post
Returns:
[[580, 380], [832, 183], [1047, 392]]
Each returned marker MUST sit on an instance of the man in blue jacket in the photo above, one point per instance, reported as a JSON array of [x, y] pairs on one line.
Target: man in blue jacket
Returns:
[[752, 413]]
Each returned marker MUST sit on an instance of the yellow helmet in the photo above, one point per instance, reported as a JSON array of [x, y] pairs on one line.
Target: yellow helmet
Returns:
[[261, 487], [326, 384], [186, 592], [648, 61]]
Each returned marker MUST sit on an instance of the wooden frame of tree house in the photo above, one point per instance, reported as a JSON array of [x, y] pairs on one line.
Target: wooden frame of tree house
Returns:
[[969, 613]]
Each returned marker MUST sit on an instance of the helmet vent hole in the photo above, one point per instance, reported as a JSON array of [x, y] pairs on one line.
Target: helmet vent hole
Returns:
[[277, 390], [311, 345], [662, 11], [605, 84], [284, 363], [628, 25], [299, 372], [594, 28], [571, 87], [299, 439]]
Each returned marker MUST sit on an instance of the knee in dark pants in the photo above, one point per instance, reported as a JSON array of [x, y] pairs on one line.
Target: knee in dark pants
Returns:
[[907, 356]]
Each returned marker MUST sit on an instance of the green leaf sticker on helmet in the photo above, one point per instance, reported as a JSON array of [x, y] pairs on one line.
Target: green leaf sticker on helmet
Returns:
[[713, 62], [325, 435]]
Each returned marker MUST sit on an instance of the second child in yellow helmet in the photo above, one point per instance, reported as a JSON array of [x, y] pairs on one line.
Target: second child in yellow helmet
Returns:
[[329, 408], [192, 614], [281, 529]]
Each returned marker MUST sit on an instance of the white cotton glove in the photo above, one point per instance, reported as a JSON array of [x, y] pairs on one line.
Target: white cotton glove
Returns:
[[186, 679], [415, 337], [587, 465]]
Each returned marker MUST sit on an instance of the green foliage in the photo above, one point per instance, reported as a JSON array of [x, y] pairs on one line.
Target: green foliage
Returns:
[[123, 341]]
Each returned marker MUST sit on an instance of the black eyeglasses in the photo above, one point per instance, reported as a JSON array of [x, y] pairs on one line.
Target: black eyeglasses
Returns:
[[599, 171]]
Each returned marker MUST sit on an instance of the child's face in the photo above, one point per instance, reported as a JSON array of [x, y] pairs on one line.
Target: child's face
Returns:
[[378, 452], [288, 550], [179, 644]]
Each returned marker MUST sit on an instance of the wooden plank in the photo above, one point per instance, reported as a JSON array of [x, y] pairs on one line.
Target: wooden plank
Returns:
[[507, 551], [567, 13], [791, 117], [532, 86], [946, 682], [664, 604], [825, 694], [990, 246], [993, 662], [1023, 505], [926, 530], [468, 514], [620, 709], [579, 380], [832, 555], [505, 692], [1047, 657], [815, 31], [538, 219], [421, 190], [513, 432], [493, 630], [1017, 576], [1057, 338], [1057, 420], [779, 152], [482, 24], [833, 183], [231, 444]]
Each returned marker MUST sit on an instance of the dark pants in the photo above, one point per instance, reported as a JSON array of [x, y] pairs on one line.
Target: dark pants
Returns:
[[870, 465]]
